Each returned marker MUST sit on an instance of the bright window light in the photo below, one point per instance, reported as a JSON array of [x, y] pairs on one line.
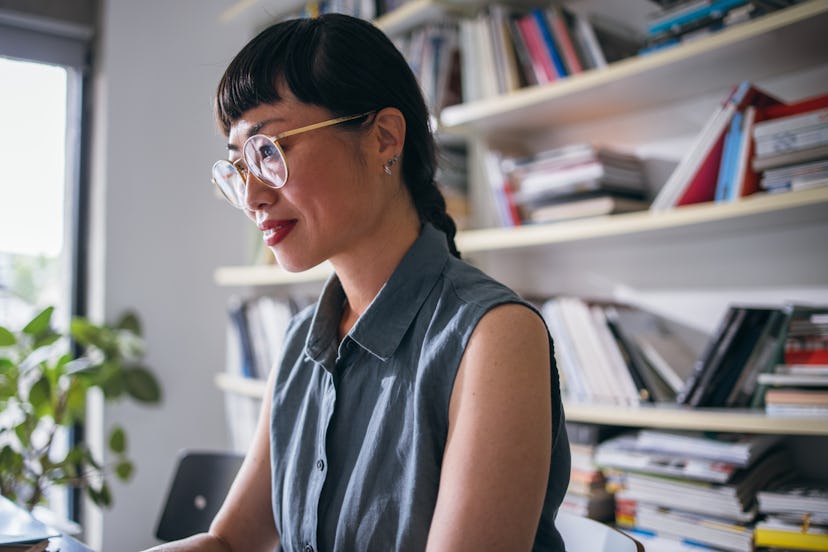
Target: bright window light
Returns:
[[32, 154]]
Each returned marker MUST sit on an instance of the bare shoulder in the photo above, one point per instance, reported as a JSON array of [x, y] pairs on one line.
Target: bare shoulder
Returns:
[[511, 330]]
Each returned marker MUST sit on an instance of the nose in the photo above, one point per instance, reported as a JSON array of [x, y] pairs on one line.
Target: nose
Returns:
[[258, 194]]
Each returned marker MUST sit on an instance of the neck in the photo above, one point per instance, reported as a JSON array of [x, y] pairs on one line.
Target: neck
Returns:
[[364, 270]]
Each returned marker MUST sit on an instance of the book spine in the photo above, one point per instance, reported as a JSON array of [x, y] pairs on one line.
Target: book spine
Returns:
[[707, 353]]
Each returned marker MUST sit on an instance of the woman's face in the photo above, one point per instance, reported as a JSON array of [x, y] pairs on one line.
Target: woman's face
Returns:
[[333, 199]]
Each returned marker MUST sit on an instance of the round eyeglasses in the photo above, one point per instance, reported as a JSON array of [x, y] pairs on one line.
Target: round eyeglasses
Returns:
[[265, 159]]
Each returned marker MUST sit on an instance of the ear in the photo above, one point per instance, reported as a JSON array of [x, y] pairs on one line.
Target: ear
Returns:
[[389, 132]]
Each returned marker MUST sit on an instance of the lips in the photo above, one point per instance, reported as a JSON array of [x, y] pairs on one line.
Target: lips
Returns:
[[274, 231]]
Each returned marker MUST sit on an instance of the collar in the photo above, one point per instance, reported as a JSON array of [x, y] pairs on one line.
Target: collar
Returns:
[[382, 326]]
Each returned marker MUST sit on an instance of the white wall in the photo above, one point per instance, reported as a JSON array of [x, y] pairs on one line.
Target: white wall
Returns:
[[160, 232]]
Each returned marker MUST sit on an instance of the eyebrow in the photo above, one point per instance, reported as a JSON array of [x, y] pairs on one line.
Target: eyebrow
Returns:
[[255, 129]]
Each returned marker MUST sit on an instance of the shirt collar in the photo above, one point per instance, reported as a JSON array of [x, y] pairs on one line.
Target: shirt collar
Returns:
[[382, 326]]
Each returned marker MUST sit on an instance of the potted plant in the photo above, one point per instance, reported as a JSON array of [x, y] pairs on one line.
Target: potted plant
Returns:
[[45, 376]]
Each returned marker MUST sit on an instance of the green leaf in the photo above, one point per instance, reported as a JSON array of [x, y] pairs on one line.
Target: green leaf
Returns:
[[39, 323], [124, 470], [24, 430], [112, 381], [129, 321], [142, 385], [11, 461], [46, 338], [7, 338], [75, 400], [101, 497], [117, 440], [40, 397]]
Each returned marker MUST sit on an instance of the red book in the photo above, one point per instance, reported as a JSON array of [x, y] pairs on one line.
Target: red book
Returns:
[[778, 110], [814, 356], [703, 185], [542, 64], [694, 179], [563, 39]]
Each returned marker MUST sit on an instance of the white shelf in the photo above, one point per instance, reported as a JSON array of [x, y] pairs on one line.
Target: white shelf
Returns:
[[781, 42], [762, 210], [248, 387], [713, 419], [700, 419]]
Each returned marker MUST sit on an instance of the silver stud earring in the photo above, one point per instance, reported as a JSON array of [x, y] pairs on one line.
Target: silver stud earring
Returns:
[[390, 163]]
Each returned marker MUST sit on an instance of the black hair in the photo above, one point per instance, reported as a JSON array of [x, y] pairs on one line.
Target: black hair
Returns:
[[347, 66]]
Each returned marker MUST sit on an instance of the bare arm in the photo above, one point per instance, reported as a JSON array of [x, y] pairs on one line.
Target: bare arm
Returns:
[[245, 520], [496, 464]]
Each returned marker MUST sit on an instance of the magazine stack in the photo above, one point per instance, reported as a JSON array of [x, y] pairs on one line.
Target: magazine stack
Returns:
[[691, 487]]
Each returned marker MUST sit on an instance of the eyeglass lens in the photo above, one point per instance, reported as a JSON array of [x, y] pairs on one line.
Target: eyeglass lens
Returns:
[[230, 183], [264, 158]]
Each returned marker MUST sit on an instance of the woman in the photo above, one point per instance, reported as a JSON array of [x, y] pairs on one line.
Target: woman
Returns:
[[417, 405]]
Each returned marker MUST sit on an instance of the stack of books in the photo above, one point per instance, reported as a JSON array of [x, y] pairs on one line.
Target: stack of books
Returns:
[[587, 495], [574, 181], [689, 486], [796, 514], [791, 145], [725, 161], [680, 21], [616, 354], [798, 385]]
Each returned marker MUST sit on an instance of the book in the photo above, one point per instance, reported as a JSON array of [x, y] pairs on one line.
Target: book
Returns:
[[730, 151], [790, 536], [734, 501], [540, 15], [702, 10], [588, 41], [694, 179], [624, 452], [585, 205], [563, 40], [698, 528], [795, 496], [745, 179], [766, 353], [541, 59], [724, 371], [711, 356], [806, 397]]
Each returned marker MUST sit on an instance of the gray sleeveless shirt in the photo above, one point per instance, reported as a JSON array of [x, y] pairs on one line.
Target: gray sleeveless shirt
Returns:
[[358, 428]]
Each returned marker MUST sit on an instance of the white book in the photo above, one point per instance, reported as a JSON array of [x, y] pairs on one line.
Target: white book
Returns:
[[627, 390], [800, 120]]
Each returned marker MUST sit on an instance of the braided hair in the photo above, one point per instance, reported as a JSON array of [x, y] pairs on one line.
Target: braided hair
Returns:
[[347, 66]]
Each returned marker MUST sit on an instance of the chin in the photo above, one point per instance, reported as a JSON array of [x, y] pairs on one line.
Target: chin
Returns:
[[291, 263]]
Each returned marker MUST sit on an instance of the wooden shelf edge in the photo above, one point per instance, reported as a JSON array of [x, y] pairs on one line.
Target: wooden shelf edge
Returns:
[[708, 419], [248, 387], [462, 118], [493, 239], [712, 419]]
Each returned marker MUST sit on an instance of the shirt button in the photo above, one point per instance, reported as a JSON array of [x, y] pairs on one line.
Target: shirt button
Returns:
[[308, 548], [320, 465]]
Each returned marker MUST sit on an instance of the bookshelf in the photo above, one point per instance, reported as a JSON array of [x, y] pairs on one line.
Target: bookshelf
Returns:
[[794, 224], [710, 419], [662, 77]]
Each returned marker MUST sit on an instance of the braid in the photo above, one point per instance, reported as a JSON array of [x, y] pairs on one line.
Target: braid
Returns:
[[431, 206]]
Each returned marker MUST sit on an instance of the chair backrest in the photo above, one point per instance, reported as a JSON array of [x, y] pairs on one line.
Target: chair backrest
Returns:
[[198, 489], [581, 534]]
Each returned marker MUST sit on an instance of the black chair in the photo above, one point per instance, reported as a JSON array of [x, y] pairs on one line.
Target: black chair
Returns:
[[198, 488]]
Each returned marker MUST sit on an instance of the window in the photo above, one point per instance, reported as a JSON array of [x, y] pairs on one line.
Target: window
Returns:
[[43, 65]]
